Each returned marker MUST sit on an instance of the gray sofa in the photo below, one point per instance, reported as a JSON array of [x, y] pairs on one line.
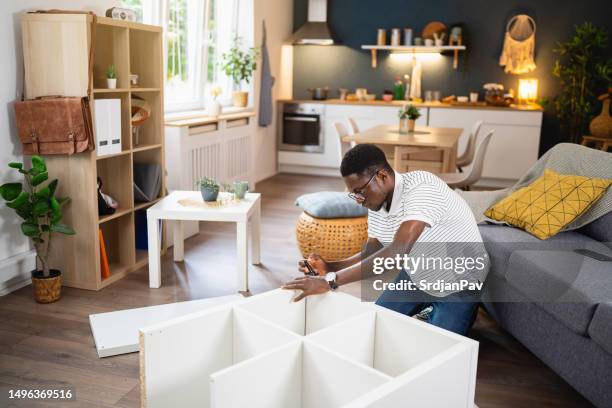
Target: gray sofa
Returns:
[[557, 302]]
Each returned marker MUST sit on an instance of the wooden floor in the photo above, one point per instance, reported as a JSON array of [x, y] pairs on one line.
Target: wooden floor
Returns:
[[46, 345]]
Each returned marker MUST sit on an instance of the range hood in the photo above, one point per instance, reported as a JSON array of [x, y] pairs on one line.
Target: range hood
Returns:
[[315, 31]]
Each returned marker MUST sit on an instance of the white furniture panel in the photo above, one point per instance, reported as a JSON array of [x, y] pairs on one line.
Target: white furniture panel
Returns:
[[195, 346], [513, 148], [329, 380], [117, 332], [271, 380], [420, 387], [379, 341], [297, 375], [189, 349], [252, 353]]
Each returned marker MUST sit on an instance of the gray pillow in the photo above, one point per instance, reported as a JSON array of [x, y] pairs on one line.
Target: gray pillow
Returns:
[[330, 204]]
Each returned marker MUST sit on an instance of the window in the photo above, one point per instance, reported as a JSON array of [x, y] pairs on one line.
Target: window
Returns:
[[197, 32]]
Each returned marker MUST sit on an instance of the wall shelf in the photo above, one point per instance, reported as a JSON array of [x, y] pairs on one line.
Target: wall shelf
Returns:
[[411, 49]]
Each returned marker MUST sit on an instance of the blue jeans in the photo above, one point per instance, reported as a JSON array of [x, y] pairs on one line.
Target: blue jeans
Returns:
[[455, 315]]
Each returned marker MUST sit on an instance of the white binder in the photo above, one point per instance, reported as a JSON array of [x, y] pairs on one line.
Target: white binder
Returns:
[[107, 114]]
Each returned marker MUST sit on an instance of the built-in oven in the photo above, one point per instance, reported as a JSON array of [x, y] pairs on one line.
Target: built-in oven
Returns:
[[302, 128]]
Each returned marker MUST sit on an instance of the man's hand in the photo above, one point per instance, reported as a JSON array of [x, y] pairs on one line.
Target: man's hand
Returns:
[[309, 285], [317, 263]]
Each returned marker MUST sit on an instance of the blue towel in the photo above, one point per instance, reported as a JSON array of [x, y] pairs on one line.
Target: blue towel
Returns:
[[267, 82]]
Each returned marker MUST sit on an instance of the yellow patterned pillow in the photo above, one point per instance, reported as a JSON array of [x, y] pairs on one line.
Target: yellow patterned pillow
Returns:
[[548, 204]]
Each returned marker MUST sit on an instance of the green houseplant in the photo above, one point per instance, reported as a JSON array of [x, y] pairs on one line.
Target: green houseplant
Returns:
[[584, 71], [408, 115], [209, 189], [111, 77], [239, 65], [41, 212]]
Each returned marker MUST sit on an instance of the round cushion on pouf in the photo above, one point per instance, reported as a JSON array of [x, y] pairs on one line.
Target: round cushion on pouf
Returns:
[[332, 225]]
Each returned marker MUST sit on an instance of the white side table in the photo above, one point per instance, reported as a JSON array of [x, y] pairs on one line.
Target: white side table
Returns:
[[241, 213]]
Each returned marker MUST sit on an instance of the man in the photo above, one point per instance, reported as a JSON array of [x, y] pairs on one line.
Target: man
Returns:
[[415, 208]]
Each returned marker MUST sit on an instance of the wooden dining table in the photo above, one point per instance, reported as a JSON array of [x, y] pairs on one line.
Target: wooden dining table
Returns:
[[426, 148]]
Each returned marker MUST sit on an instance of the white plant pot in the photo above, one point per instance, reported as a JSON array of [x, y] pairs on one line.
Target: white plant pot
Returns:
[[111, 83], [215, 108]]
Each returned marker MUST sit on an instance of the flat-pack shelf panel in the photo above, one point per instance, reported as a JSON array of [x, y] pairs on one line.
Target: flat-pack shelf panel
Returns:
[[330, 350]]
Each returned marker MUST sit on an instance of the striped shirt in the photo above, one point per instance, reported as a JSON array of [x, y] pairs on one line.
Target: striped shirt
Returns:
[[422, 196]]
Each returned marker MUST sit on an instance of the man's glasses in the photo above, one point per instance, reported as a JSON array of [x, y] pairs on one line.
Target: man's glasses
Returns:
[[357, 195]]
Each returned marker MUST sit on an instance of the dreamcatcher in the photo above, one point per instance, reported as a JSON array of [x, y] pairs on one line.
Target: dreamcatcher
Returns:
[[519, 45]]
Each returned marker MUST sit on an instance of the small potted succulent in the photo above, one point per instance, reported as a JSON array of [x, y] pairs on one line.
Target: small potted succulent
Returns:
[[408, 116], [209, 189], [239, 65], [41, 212], [215, 106], [111, 77]]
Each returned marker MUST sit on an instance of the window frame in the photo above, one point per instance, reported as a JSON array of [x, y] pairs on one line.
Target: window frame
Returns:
[[157, 12]]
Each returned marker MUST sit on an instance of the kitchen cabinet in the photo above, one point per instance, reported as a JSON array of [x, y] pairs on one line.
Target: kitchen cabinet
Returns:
[[513, 148]]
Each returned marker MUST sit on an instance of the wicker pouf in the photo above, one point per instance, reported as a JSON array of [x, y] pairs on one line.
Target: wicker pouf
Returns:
[[333, 239]]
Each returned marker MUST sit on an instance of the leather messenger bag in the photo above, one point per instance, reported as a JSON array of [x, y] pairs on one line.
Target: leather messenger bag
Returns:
[[57, 124], [54, 125]]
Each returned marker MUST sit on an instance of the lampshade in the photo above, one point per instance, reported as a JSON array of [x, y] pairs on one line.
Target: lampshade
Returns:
[[527, 91]]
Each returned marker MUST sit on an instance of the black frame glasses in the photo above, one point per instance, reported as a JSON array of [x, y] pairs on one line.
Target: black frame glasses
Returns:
[[358, 195]]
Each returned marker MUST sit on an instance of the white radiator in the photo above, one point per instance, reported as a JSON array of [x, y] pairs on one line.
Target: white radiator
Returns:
[[220, 151]]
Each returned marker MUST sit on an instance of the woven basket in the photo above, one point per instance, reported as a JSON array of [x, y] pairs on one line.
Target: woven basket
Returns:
[[333, 239], [47, 290]]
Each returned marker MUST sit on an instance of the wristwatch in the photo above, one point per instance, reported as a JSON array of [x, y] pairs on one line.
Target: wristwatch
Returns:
[[330, 277]]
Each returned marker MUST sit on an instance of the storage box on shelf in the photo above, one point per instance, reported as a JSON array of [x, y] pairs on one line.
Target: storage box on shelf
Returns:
[[326, 351], [131, 48]]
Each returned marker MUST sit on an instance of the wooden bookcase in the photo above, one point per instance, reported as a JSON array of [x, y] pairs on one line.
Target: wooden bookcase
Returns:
[[56, 61]]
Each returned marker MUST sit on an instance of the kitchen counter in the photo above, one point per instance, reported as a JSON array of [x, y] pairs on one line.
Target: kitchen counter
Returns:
[[478, 105]]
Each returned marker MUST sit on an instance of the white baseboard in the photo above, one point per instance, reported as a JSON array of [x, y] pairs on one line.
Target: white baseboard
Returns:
[[15, 272]]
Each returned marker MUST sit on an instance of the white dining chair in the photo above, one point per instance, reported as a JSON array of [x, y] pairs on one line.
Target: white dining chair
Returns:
[[468, 155], [465, 180], [341, 131], [354, 128]]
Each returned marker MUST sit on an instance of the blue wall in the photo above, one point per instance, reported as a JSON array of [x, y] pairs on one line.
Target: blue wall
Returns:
[[354, 22]]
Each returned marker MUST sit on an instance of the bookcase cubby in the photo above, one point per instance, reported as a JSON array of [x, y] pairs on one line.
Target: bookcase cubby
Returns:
[[111, 47], [133, 49]]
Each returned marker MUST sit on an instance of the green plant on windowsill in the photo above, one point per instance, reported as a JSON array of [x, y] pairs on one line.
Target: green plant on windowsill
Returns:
[[41, 212], [239, 65], [209, 189], [408, 116], [584, 70]]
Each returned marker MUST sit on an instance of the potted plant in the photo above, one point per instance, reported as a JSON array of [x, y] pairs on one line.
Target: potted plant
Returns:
[[408, 115], [215, 106], [209, 189], [111, 77], [41, 211], [584, 69], [239, 65]]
